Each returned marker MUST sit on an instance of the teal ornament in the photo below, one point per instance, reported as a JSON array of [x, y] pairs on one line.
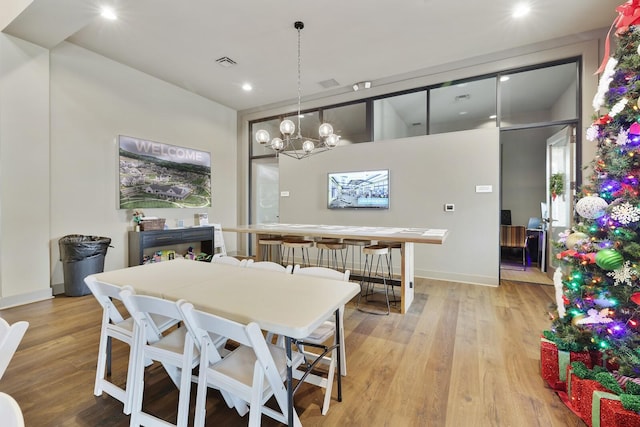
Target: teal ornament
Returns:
[[609, 259]]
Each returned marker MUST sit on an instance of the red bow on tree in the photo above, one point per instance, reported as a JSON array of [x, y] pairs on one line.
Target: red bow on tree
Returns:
[[606, 119], [628, 15]]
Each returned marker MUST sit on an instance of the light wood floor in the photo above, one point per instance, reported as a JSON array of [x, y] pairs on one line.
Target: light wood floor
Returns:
[[463, 355]]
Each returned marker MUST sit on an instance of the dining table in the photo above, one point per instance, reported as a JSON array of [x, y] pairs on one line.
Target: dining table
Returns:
[[289, 305], [406, 236]]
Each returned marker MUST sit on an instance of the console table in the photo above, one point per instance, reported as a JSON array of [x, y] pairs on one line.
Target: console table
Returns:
[[141, 240]]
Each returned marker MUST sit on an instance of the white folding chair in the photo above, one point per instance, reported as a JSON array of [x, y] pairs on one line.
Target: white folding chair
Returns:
[[174, 351], [226, 259], [323, 333], [115, 325], [269, 265], [254, 372], [10, 412], [10, 338]]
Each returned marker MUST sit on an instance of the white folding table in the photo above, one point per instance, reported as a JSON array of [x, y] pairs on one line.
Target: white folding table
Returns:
[[285, 304]]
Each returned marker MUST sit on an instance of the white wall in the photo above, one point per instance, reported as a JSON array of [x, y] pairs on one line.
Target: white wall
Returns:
[[24, 172], [425, 173], [93, 100], [387, 122]]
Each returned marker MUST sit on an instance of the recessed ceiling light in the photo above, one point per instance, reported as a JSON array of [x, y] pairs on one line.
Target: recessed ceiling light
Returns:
[[493, 116], [521, 10], [108, 13], [504, 78], [247, 87]]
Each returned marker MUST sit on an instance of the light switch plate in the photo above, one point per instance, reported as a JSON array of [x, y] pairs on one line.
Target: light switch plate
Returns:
[[449, 207], [484, 188], [284, 194]]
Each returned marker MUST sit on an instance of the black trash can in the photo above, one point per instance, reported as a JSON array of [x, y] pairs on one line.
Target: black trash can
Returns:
[[81, 256]]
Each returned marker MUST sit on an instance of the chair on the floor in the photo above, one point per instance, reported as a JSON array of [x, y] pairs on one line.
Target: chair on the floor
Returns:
[[10, 338], [173, 350], [515, 237], [116, 325], [323, 333], [253, 372], [229, 260], [270, 265], [10, 412]]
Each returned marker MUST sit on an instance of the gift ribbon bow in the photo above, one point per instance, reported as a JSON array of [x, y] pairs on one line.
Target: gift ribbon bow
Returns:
[[628, 15]]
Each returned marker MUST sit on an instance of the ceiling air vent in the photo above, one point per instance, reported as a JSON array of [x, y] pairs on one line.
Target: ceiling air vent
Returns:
[[326, 84], [226, 62]]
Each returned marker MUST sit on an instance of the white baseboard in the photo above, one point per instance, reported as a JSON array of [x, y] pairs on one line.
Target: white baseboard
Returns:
[[27, 298]]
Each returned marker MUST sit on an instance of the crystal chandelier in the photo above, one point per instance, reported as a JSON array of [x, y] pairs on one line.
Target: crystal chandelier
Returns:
[[292, 143]]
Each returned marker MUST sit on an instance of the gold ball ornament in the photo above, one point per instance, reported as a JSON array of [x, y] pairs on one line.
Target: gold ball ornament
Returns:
[[574, 238], [576, 319]]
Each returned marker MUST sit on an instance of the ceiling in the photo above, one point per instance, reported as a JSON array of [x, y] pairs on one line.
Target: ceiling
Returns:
[[347, 41]]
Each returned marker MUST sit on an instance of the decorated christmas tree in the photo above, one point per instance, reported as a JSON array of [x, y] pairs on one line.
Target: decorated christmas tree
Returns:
[[598, 283]]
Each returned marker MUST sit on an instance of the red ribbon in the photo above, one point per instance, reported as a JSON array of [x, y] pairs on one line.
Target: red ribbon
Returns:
[[628, 15], [606, 119]]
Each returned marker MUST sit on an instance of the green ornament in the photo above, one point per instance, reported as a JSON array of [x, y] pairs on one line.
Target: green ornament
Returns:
[[609, 259]]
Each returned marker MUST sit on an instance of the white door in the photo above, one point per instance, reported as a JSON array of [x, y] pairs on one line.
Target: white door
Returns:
[[265, 185], [560, 166]]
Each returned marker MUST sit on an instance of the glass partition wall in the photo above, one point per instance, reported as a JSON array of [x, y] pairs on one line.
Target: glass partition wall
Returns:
[[546, 95]]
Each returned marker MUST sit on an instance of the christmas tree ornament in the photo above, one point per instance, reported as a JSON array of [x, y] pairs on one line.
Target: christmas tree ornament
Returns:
[[625, 213], [624, 275], [574, 238], [635, 297], [577, 318], [609, 259], [591, 207], [561, 300], [595, 317]]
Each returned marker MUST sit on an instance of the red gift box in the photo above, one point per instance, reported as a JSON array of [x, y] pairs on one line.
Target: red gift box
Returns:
[[608, 412], [580, 395], [585, 400], [554, 362]]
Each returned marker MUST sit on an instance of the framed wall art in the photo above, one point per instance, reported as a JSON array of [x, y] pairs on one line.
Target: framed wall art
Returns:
[[157, 175]]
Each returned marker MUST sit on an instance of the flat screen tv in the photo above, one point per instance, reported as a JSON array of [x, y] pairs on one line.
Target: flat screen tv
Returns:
[[359, 190]]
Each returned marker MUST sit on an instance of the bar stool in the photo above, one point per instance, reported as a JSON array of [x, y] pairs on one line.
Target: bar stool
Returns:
[[391, 246], [332, 247], [271, 243], [290, 245], [356, 243], [382, 253]]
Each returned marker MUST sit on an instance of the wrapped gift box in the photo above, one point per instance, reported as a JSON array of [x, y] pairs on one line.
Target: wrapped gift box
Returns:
[[607, 411], [554, 363]]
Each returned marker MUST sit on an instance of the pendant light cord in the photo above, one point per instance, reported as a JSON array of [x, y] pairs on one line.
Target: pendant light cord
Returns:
[[299, 26]]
